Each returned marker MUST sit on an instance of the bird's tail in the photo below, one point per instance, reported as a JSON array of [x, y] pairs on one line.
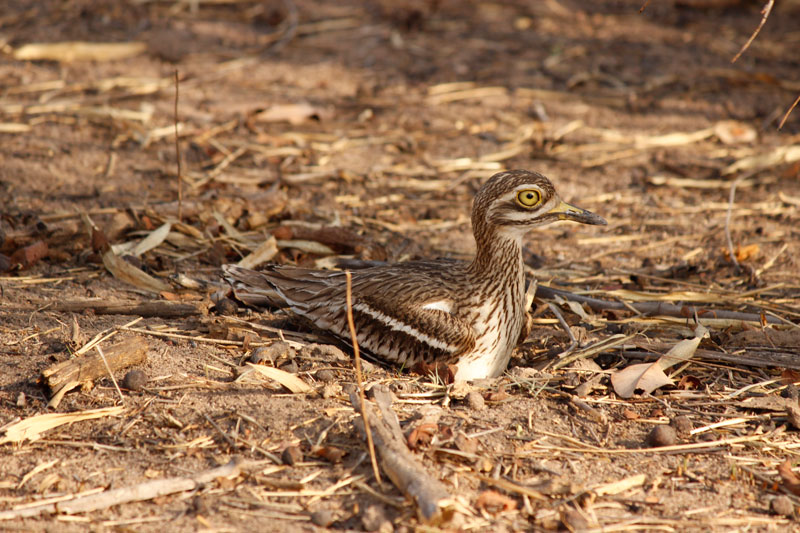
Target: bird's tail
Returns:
[[252, 288]]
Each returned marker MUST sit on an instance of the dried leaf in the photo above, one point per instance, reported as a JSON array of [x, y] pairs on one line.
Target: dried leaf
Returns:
[[265, 251], [78, 51], [645, 376], [290, 381], [30, 255], [494, 502], [734, 132], [789, 376], [153, 240], [778, 156], [684, 350], [650, 376], [790, 480], [32, 428], [291, 113], [126, 272]]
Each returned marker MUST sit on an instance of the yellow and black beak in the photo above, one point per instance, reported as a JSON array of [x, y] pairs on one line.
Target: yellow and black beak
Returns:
[[565, 211]]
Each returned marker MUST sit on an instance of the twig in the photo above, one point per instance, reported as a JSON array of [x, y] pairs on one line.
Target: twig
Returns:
[[110, 373], [728, 220], [573, 342], [135, 493], [765, 11], [789, 112], [359, 377], [178, 151], [654, 308]]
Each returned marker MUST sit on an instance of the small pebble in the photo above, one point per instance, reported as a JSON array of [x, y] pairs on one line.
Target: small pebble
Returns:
[[323, 518], [790, 391], [22, 401], [575, 521], [260, 355], [662, 436], [292, 455], [326, 375], [374, 519], [682, 424], [782, 505], [331, 390], [226, 307], [475, 401], [134, 380], [290, 367], [326, 352]]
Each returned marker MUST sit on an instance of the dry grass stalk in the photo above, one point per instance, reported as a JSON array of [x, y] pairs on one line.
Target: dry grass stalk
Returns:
[[359, 377]]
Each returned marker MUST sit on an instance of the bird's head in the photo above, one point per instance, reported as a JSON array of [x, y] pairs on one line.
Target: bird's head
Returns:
[[518, 200]]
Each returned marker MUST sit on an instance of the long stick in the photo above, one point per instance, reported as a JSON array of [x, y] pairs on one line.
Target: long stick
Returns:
[[351, 325]]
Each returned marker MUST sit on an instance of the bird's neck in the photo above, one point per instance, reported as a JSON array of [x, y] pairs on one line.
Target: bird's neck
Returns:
[[498, 257]]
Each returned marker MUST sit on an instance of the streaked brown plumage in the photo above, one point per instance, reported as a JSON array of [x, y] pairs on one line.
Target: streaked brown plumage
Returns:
[[469, 314]]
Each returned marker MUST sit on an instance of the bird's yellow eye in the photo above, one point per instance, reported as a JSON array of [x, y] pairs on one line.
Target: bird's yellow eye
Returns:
[[528, 198]]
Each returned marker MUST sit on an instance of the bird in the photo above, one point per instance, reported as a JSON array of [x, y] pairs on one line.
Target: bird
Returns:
[[470, 314]]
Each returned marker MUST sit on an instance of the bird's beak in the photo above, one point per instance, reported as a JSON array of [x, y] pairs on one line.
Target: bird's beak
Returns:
[[565, 211]]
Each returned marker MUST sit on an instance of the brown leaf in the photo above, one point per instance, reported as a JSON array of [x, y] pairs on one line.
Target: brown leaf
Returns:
[[291, 113], [30, 255], [421, 436], [689, 383], [789, 376], [628, 414], [331, 453], [494, 502], [790, 480], [466, 444]]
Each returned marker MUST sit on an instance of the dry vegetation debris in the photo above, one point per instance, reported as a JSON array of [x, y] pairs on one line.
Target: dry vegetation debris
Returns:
[[658, 390]]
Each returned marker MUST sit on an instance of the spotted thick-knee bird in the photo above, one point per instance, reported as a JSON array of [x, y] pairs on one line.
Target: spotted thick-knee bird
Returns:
[[470, 314]]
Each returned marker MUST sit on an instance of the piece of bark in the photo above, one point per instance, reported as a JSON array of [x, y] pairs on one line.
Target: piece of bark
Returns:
[[434, 504], [89, 367]]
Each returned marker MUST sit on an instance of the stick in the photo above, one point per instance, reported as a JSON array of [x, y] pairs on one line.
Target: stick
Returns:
[[789, 112], [136, 493], [110, 373], [765, 11], [728, 221], [178, 151], [155, 308], [67, 375], [433, 502], [359, 377], [654, 308]]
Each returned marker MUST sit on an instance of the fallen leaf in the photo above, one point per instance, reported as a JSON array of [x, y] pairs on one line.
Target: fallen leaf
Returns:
[[494, 502], [291, 113], [689, 383], [32, 428], [421, 436], [331, 453], [734, 132], [126, 272], [650, 376], [265, 251], [790, 480], [789, 376], [290, 381], [78, 51], [30, 255]]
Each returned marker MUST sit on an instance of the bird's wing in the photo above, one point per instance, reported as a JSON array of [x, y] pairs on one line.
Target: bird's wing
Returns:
[[396, 321]]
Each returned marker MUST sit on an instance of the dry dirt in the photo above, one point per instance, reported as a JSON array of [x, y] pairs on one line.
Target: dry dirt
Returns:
[[367, 127]]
